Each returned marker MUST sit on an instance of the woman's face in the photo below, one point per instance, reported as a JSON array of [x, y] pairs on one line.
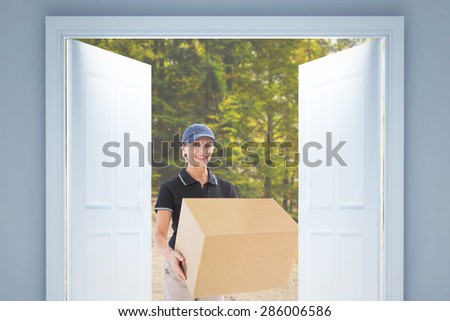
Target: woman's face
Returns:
[[199, 153]]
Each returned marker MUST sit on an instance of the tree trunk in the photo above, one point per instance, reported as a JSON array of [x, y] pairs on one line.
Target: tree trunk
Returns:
[[268, 179], [228, 61], [285, 195]]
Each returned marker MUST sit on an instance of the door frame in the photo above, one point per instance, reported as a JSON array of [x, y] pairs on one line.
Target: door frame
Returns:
[[58, 29]]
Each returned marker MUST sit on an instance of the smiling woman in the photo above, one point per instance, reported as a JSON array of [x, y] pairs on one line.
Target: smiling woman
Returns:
[[195, 181]]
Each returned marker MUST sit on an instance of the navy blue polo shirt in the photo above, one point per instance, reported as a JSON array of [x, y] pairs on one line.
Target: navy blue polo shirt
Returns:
[[173, 191]]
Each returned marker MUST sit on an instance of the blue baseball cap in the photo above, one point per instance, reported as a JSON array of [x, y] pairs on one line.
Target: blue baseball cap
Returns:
[[195, 131]]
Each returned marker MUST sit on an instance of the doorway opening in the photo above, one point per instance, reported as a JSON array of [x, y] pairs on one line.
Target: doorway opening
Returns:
[[247, 91], [58, 189]]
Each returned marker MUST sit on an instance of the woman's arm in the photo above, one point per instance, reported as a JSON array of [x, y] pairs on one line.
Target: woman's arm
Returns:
[[160, 238]]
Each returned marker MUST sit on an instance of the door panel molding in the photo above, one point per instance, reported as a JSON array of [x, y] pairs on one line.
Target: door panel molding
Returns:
[[355, 211], [107, 94]]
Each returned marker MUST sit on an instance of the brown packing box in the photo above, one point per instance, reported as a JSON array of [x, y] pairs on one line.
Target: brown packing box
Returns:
[[235, 245]]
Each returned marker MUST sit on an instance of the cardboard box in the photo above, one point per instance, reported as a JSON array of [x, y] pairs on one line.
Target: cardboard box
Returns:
[[235, 245]]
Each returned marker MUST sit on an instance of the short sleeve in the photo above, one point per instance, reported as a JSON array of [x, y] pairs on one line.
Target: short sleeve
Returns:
[[233, 193], [165, 200]]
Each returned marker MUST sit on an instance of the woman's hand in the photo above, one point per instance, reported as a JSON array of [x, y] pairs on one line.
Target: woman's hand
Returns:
[[175, 258]]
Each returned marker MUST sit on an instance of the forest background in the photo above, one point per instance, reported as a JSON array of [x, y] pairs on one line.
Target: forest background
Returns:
[[245, 90]]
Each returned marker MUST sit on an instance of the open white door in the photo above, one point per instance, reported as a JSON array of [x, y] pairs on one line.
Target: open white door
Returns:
[[340, 241], [109, 218]]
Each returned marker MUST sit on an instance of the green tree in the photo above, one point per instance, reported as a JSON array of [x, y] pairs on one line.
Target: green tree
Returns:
[[246, 90]]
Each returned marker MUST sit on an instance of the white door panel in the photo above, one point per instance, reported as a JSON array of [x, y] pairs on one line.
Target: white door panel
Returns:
[[340, 206], [109, 215]]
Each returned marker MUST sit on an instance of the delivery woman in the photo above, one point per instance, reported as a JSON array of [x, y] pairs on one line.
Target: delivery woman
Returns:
[[194, 181]]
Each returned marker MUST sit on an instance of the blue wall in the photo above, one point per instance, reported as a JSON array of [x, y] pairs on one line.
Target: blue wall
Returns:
[[22, 126]]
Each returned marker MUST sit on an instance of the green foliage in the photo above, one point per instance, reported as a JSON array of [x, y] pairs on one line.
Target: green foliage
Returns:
[[243, 89]]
